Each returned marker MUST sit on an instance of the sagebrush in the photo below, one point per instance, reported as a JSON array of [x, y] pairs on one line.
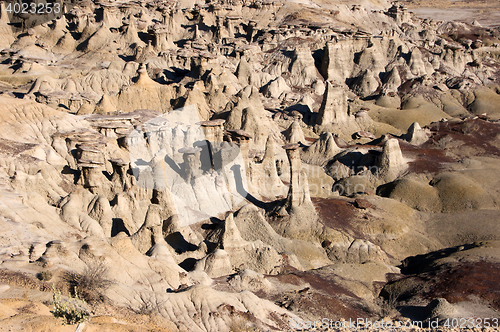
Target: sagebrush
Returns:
[[91, 283]]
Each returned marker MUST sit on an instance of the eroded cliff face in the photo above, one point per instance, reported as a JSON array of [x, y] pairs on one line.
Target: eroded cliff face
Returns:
[[245, 163]]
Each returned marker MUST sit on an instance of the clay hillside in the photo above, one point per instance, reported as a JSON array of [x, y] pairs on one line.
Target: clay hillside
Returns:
[[259, 165]]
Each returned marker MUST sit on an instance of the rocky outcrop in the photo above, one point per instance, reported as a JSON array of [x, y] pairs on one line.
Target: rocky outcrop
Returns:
[[333, 114], [250, 116], [5, 30], [298, 194], [294, 133], [105, 106], [322, 151], [416, 135], [391, 162], [302, 69], [253, 121], [333, 108], [358, 252], [367, 84], [263, 176], [276, 88], [153, 95], [337, 62], [144, 238], [416, 64], [298, 211], [392, 81], [174, 176], [241, 254]]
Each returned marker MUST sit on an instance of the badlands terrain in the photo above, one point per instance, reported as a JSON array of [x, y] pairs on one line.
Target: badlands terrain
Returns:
[[249, 165]]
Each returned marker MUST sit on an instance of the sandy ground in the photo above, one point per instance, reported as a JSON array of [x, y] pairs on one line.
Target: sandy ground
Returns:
[[486, 12]]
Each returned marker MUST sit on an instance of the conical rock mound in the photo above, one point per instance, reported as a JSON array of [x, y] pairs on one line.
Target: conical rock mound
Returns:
[[321, 151]]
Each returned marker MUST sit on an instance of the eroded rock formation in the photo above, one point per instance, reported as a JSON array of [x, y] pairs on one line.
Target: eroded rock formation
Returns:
[[245, 163]]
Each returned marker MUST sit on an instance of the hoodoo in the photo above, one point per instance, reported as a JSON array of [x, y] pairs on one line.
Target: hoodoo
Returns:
[[232, 165]]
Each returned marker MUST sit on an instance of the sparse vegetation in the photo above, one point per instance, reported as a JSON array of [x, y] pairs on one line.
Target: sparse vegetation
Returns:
[[23, 280], [44, 275], [241, 325], [72, 310], [250, 165], [388, 305], [147, 307], [91, 283]]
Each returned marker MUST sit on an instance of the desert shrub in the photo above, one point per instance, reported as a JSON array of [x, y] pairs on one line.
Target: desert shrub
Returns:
[[72, 311], [388, 305], [44, 275], [147, 306], [91, 283]]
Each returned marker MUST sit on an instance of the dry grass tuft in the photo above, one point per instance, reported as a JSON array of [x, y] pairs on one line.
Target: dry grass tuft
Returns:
[[241, 325], [91, 283]]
